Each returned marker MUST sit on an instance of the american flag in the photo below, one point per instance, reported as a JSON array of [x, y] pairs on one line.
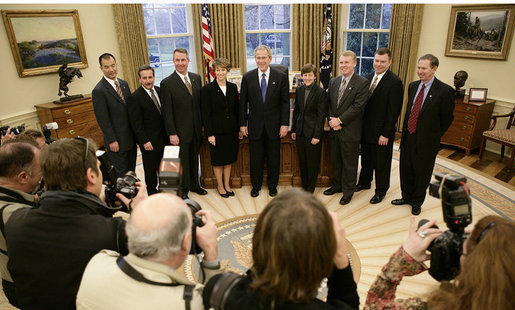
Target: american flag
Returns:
[[207, 43], [326, 49]]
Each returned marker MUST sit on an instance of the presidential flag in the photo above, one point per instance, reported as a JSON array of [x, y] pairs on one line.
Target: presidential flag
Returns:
[[326, 49]]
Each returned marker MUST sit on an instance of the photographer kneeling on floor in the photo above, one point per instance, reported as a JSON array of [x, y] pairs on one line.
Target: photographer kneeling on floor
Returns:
[[49, 246], [160, 239], [484, 282]]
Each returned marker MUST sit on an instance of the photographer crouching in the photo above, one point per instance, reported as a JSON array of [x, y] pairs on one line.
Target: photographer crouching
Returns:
[[160, 233], [50, 246], [476, 271]]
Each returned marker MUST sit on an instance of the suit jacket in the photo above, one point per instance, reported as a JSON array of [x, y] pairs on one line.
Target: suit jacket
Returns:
[[219, 111], [181, 110], [309, 118], [350, 108], [146, 120], [435, 116], [270, 115], [111, 113], [383, 108]]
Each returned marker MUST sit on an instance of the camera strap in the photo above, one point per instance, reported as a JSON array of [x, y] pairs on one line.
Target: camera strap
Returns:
[[222, 289], [133, 273]]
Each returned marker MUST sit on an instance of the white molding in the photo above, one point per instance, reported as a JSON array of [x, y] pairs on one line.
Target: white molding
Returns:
[[30, 119]]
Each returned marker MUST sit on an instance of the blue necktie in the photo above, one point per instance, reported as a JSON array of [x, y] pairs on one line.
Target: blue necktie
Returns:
[[263, 87]]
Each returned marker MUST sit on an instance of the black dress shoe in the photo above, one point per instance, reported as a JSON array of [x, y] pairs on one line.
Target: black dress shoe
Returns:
[[230, 193], [345, 200], [272, 192], [200, 191], [254, 192], [331, 191], [226, 195], [360, 187], [400, 201], [415, 209], [376, 199]]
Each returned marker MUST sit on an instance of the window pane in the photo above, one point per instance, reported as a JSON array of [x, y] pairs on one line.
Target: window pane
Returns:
[[267, 39], [166, 47], [281, 60], [163, 21], [266, 16], [373, 16], [158, 73], [282, 16], [356, 16], [387, 14], [168, 68], [147, 5], [252, 42], [354, 42], [282, 44], [358, 65], [183, 42], [153, 47], [367, 66], [180, 24], [251, 17], [369, 44], [383, 39], [148, 15]]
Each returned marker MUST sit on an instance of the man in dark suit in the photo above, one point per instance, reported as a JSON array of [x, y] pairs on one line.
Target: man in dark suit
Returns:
[[145, 115], [109, 103], [264, 118], [348, 95], [428, 116], [180, 94], [381, 113]]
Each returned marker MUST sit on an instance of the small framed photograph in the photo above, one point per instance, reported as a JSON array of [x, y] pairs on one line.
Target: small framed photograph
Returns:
[[477, 94], [234, 72], [236, 79], [294, 79]]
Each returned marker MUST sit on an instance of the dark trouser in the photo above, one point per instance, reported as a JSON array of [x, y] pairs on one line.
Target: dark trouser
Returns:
[[189, 160], [415, 171], [344, 160], [259, 148], [151, 161], [122, 161], [376, 158], [9, 292], [309, 162]]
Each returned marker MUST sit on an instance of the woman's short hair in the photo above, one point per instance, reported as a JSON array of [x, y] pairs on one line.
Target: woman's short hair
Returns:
[[486, 277], [307, 68], [293, 248], [221, 62]]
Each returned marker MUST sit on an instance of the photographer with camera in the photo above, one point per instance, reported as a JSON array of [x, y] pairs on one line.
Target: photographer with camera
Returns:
[[20, 174], [485, 280], [160, 239], [50, 246]]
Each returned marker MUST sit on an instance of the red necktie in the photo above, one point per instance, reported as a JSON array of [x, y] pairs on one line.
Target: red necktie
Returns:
[[415, 111], [119, 90]]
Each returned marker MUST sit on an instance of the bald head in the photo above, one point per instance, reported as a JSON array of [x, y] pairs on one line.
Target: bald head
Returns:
[[158, 226]]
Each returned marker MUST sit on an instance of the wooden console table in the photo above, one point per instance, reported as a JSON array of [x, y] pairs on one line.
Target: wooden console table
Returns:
[[470, 120]]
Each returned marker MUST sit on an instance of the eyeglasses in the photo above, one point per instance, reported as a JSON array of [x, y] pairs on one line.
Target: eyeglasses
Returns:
[[85, 151]]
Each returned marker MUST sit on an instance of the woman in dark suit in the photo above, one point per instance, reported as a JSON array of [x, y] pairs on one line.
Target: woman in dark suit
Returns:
[[311, 103], [220, 118]]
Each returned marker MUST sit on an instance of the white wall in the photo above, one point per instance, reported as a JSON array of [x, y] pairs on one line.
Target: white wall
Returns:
[[19, 95]]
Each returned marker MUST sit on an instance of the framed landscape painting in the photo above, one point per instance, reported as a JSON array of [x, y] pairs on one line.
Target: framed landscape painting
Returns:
[[480, 31], [41, 41]]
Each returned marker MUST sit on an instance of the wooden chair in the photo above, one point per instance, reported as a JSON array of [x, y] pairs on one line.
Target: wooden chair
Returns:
[[505, 137]]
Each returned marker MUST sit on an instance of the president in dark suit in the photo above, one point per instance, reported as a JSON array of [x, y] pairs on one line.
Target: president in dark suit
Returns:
[[428, 116], [180, 99], [348, 95], [381, 114], [147, 123], [264, 118], [307, 127], [109, 103]]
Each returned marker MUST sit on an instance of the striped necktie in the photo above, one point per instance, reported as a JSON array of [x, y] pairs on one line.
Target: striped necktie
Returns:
[[119, 90]]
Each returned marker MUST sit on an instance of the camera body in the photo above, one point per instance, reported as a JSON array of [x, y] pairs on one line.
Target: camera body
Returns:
[[16, 130], [457, 214], [197, 222]]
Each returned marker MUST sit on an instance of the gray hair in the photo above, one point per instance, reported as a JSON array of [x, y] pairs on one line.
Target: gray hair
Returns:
[[263, 48], [433, 60], [159, 244]]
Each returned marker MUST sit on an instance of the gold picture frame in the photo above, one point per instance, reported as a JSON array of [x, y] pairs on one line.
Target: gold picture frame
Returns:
[[480, 31], [42, 40]]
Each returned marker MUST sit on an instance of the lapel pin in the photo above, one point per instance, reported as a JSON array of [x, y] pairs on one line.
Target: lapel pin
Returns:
[[273, 83], [430, 96]]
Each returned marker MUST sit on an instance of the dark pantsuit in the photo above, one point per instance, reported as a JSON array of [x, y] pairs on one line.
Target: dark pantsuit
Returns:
[[344, 159], [378, 158], [416, 171], [122, 161], [189, 161], [151, 161], [309, 162], [259, 148]]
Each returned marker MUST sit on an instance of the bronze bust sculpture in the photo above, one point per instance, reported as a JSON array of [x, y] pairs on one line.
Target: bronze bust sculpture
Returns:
[[459, 81]]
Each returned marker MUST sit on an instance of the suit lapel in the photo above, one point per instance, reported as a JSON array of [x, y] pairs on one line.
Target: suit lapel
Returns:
[[180, 82], [380, 85], [334, 93], [348, 89], [430, 96], [272, 81], [111, 90], [310, 97], [148, 99]]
